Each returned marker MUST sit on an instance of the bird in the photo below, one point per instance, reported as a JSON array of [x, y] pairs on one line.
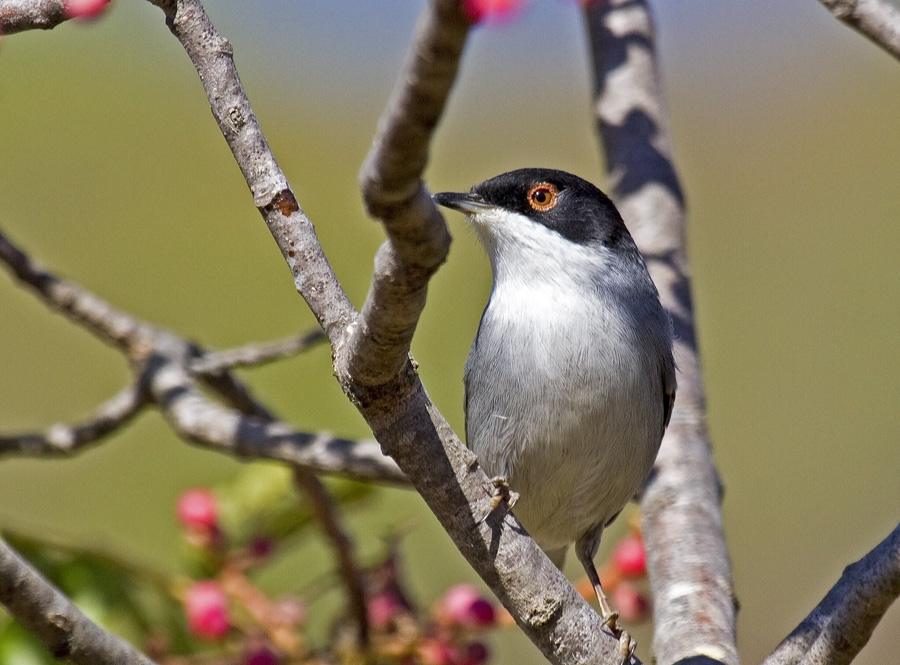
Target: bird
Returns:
[[570, 381]]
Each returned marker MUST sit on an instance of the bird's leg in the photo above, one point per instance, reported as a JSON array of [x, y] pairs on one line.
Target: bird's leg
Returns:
[[500, 494], [585, 549]]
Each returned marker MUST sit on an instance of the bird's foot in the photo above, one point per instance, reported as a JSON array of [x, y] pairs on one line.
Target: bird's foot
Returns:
[[627, 645], [500, 494]]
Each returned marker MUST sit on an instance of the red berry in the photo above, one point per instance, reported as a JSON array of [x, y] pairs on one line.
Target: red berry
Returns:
[[464, 605], [198, 508], [84, 9], [630, 557], [632, 605], [261, 656], [207, 610], [491, 11]]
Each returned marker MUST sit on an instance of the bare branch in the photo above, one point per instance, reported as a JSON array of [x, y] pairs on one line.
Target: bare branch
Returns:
[[841, 625], [56, 622], [77, 304], [214, 362], [350, 574], [167, 356], [62, 439], [879, 20], [202, 421], [211, 55], [22, 15], [693, 598], [393, 191], [398, 410]]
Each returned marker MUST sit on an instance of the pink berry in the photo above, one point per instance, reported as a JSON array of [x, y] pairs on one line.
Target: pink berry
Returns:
[[464, 605], [198, 508], [632, 605], [207, 610], [475, 654], [84, 9], [383, 609], [491, 11], [630, 557]]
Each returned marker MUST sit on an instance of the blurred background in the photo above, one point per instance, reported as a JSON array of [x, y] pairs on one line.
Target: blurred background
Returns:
[[113, 173]]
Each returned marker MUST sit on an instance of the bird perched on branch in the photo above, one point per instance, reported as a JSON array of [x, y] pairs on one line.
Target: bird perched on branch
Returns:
[[570, 381]]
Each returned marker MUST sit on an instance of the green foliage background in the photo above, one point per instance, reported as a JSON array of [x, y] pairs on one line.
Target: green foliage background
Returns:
[[113, 173]]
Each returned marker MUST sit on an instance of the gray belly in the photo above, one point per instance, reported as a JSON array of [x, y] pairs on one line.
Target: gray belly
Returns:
[[574, 442]]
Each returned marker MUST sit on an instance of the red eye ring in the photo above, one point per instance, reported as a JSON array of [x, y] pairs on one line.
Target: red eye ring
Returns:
[[543, 196]]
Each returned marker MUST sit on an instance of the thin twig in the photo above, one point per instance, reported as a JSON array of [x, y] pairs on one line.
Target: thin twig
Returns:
[[841, 625], [253, 355], [77, 304], [22, 15], [55, 621], [63, 439], [879, 20], [689, 567], [350, 574]]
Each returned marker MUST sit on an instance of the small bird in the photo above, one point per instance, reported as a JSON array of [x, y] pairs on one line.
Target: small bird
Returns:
[[570, 381]]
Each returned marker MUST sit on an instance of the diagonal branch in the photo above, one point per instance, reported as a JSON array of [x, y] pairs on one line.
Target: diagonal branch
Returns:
[[77, 304], [330, 519], [402, 417], [879, 20], [56, 622], [193, 416], [392, 188], [292, 230], [693, 598], [160, 361], [22, 15], [62, 439], [841, 625], [253, 355]]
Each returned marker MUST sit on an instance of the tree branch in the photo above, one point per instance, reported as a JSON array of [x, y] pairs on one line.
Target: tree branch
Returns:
[[252, 355], [879, 20], [292, 230], [350, 575], [75, 303], [841, 625], [393, 191], [64, 439], [693, 599], [398, 410], [57, 623], [160, 360], [202, 421], [22, 15]]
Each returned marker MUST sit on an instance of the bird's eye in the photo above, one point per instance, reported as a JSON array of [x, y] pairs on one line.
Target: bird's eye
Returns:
[[542, 196]]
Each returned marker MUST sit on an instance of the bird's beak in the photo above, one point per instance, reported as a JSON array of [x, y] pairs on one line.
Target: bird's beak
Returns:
[[466, 202]]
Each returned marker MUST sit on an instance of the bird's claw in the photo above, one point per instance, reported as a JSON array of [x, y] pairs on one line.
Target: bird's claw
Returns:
[[500, 494], [611, 621], [626, 646]]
